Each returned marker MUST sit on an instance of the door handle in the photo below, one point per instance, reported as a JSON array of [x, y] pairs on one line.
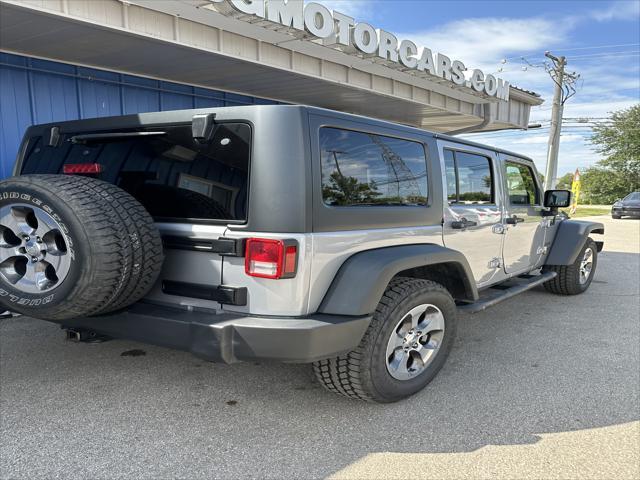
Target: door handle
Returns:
[[514, 220], [462, 224]]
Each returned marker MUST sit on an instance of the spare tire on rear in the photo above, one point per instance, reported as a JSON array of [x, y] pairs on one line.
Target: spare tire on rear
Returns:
[[73, 246]]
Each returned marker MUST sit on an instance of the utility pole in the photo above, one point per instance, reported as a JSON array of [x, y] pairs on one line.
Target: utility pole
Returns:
[[335, 159], [564, 89]]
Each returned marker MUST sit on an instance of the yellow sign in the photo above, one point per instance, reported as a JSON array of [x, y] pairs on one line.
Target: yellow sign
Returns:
[[575, 189]]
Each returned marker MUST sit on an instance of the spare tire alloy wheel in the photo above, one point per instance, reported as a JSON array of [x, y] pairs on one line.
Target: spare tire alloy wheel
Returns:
[[33, 250], [73, 246]]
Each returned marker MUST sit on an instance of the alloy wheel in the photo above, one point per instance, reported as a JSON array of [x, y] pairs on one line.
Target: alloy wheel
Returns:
[[586, 265], [34, 255], [415, 342]]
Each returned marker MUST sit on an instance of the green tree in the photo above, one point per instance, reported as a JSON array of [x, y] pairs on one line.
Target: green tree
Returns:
[[565, 181], [341, 190], [618, 173], [619, 142], [604, 185]]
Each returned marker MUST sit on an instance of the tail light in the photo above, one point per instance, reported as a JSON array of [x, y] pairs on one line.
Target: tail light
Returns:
[[268, 258], [82, 169]]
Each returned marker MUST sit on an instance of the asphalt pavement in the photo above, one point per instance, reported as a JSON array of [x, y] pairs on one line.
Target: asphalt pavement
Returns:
[[540, 386]]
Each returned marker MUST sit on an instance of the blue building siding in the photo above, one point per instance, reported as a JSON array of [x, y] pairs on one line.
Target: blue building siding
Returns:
[[34, 91]]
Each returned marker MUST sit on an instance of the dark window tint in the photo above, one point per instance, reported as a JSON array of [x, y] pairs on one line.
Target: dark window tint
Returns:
[[172, 175], [367, 169], [521, 184], [469, 178]]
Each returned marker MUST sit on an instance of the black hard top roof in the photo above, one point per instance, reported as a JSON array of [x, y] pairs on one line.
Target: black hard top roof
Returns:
[[151, 118]]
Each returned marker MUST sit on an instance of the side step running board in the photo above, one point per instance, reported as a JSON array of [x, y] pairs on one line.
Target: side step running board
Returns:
[[503, 291]]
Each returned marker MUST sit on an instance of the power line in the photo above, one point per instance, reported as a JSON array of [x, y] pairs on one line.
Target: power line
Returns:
[[601, 46], [510, 135], [608, 54], [594, 47]]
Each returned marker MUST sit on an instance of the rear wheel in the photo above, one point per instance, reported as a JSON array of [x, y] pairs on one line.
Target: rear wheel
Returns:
[[73, 246], [407, 343], [576, 278]]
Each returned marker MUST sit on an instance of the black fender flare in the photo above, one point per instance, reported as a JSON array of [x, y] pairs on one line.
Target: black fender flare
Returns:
[[362, 279], [571, 236]]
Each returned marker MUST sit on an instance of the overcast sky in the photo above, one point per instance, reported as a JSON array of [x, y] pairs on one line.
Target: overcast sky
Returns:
[[601, 40]]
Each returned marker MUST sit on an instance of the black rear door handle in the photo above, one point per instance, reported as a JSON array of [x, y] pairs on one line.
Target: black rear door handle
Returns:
[[462, 224], [514, 220]]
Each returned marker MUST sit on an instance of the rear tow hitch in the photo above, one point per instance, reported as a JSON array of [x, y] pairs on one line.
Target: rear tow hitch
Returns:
[[84, 336]]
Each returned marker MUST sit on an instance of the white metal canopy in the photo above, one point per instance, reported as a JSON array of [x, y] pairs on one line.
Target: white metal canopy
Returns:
[[177, 40]]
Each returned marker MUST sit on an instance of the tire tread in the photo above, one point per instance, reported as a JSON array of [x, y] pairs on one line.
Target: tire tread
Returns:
[[125, 244], [567, 281], [344, 374]]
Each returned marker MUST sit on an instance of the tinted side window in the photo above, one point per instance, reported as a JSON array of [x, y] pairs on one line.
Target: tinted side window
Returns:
[[366, 169], [473, 178], [172, 175], [521, 184], [452, 181]]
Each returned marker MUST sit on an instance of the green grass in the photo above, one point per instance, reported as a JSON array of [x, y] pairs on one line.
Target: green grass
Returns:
[[588, 211]]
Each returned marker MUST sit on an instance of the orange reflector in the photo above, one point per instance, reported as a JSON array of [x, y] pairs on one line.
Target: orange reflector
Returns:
[[291, 253]]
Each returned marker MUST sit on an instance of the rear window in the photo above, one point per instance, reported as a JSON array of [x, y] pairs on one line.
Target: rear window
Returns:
[[171, 174], [367, 169]]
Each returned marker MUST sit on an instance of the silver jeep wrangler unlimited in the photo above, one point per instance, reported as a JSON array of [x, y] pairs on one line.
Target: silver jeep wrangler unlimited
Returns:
[[280, 233]]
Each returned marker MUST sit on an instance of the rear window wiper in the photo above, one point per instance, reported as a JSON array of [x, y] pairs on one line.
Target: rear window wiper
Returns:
[[112, 137]]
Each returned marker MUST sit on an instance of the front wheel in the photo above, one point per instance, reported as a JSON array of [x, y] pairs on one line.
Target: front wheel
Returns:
[[406, 344], [576, 278]]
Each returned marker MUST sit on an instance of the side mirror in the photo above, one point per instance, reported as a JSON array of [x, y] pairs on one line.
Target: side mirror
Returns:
[[555, 199]]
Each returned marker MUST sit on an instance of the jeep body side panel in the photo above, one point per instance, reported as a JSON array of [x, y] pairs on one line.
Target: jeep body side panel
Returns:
[[570, 237], [362, 279], [332, 249], [340, 232]]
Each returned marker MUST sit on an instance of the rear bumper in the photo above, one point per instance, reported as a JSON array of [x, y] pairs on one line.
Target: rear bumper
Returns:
[[229, 337]]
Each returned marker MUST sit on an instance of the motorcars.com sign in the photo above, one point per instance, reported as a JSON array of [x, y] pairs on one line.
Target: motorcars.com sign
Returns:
[[319, 21]]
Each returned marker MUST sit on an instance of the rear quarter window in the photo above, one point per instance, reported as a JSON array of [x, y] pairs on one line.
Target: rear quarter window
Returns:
[[360, 169]]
